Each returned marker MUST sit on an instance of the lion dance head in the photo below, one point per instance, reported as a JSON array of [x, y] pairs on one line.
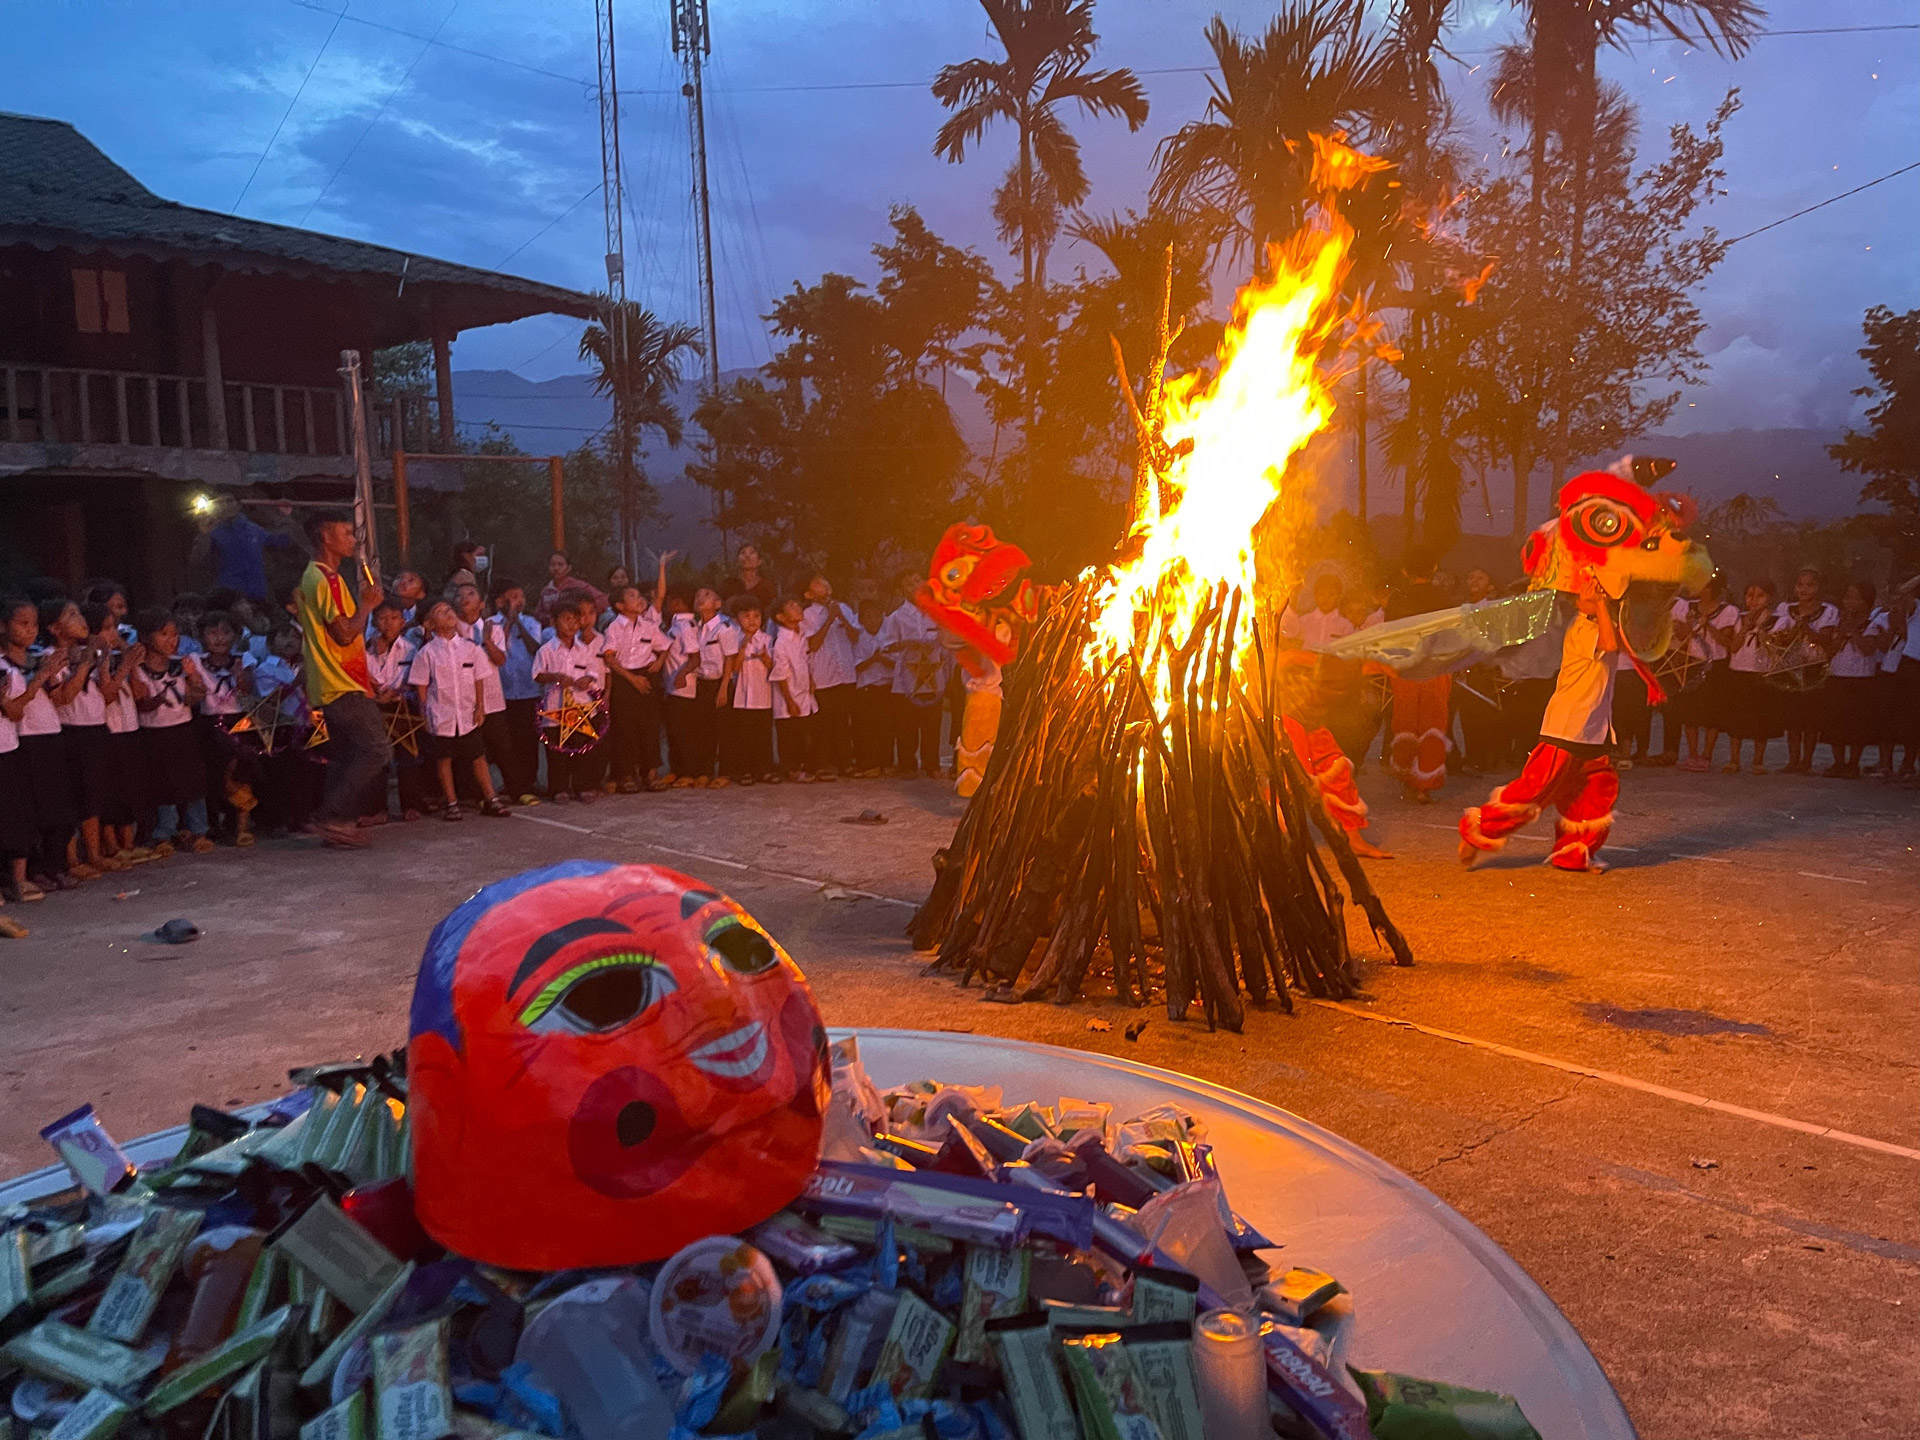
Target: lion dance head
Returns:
[[1616, 534]]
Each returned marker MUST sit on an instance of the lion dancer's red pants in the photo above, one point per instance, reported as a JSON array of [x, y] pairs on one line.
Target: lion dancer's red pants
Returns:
[[1332, 773], [1583, 791]]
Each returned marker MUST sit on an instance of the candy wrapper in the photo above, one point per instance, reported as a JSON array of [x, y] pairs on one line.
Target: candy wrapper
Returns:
[[1402, 1408]]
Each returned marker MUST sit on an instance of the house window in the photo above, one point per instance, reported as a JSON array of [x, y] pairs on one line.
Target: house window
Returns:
[[100, 302]]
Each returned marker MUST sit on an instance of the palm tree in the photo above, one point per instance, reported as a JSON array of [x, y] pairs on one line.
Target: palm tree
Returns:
[[1551, 87], [640, 378], [1244, 170], [1049, 45]]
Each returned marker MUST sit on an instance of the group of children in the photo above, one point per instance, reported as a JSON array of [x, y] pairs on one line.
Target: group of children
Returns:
[[1846, 675], [127, 737]]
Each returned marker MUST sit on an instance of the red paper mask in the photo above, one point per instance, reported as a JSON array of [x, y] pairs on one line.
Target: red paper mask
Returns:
[[605, 1063]]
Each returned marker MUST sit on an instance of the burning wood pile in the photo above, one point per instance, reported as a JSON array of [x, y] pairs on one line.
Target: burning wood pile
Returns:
[[1144, 812]]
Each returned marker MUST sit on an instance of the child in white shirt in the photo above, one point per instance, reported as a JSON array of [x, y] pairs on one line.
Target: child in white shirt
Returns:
[[227, 674], [793, 704], [575, 677], [165, 692], [635, 647], [872, 696], [749, 747], [680, 683], [448, 686]]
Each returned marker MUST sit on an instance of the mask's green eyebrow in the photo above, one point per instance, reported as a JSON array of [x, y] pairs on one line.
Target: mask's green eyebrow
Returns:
[[550, 994]]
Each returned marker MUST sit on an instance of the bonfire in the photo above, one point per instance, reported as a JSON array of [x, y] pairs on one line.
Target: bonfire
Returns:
[[1144, 817]]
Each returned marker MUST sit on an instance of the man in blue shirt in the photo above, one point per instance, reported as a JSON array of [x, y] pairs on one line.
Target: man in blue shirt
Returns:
[[237, 548]]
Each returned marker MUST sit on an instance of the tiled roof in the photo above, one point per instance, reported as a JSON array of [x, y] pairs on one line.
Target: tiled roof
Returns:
[[58, 189]]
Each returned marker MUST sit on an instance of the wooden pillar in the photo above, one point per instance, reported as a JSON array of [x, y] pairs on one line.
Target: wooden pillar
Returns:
[[559, 515], [402, 517], [443, 382], [216, 383]]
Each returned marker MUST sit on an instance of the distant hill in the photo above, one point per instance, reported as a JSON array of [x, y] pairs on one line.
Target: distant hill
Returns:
[[1791, 465]]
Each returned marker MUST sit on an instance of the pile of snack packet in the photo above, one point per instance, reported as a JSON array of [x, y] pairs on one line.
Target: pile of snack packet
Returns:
[[956, 1268]]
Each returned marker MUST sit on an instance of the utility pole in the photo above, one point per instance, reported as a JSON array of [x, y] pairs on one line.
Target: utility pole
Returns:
[[612, 198], [693, 43]]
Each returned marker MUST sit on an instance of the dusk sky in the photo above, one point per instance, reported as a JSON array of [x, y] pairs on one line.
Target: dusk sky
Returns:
[[475, 138]]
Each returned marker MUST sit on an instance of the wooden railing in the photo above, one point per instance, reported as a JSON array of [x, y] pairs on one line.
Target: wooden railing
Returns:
[[41, 404]]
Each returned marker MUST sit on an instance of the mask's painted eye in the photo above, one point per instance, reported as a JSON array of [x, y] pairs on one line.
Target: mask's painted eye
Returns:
[[1602, 524], [598, 995], [741, 946]]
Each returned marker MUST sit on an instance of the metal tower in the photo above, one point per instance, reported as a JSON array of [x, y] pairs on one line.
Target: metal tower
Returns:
[[613, 203], [693, 42]]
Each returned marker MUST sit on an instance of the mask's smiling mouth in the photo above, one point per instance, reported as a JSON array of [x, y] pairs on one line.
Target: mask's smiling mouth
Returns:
[[735, 1055]]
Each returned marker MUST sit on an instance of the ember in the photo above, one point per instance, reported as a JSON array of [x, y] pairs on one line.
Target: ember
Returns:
[[1144, 806]]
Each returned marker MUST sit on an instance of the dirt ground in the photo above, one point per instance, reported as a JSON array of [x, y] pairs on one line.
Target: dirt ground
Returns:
[[1738, 1271]]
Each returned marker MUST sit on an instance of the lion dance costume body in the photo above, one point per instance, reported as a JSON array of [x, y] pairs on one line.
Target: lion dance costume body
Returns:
[[1617, 546], [978, 593]]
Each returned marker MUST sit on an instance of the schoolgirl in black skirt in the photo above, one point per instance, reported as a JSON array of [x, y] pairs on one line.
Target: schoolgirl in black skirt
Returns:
[[1851, 697], [42, 748], [166, 691], [1752, 705], [126, 763], [83, 730], [19, 823]]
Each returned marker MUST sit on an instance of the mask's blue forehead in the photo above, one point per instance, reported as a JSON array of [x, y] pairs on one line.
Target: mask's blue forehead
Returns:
[[432, 1012]]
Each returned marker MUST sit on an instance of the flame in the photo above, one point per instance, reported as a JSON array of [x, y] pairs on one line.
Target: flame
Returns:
[[1231, 434]]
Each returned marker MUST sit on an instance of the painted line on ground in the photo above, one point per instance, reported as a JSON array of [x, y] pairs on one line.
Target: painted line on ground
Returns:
[[1628, 1082], [1843, 879], [811, 882], [1707, 859]]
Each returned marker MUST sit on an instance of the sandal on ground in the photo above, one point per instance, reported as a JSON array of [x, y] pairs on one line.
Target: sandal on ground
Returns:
[[586, 797], [339, 835], [1756, 769], [665, 782], [560, 797], [202, 845], [744, 780], [1732, 767], [83, 871], [453, 814], [12, 929], [244, 840], [629, 787], [496, 808]]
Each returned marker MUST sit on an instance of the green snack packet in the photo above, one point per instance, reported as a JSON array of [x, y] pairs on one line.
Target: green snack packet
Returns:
[[1108, 1389], [135, 1290], [98, 1416], [1400, 1407], [345, 1421], [234, 1354], [1023, 1346], [1162, 1355], [73, 1357], [996, 1286], [411, 1398], [16, 1275], [1160, 1295], [916, 1344]]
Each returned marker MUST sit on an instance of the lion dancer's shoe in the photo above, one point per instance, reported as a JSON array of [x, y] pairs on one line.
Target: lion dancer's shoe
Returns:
[[1332, 774], [979, 724], [1583, 791]]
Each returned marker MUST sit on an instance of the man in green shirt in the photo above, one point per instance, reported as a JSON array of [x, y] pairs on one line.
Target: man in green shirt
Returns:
[[333, 626]]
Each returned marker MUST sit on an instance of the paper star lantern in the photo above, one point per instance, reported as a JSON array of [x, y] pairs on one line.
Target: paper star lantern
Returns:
[[403, 728], [573, 728]]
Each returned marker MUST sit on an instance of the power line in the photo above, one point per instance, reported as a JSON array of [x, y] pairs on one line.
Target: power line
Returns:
[[1822, 204], [234, 208], [440, 44], [314, 203], [592, 191]]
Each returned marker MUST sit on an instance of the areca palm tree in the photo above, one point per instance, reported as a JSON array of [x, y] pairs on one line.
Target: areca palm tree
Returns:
[[1245, 168], [640, 377], [1551, 87], [1048, 47]]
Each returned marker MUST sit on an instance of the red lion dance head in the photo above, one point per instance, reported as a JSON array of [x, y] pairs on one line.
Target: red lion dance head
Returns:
[[977, 591], [607, 1062]]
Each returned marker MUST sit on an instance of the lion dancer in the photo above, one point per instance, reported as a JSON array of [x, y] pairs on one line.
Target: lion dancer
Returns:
[[1571, 768], [978, 593], [1421, 718], [1314, 745], [1612, 537]]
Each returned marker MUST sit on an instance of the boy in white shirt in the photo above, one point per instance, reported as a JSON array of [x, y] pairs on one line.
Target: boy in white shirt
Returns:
[[449, 689], [872, 696], [829, 627], [793, 704], [634, 648], [912, 641], [228, 679], [680, 682], [575, 677], [719, 641], [749, 741], [468, 608]]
